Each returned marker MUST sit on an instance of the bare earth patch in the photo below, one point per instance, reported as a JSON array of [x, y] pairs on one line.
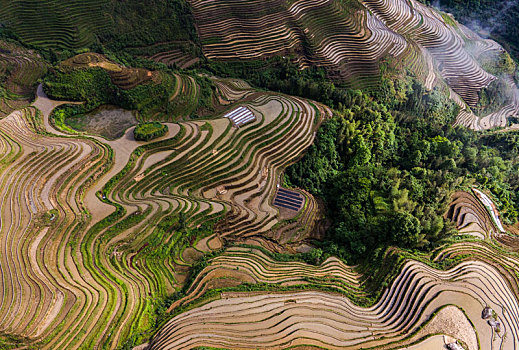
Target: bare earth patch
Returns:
[[107, 121], [451, 321]]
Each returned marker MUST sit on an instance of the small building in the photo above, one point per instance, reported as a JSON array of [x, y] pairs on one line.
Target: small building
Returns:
[[240, 116]]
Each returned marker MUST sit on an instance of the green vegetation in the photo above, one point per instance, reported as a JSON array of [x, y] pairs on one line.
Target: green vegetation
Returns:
[[8, 341], [280, 74], [94, 86], [152, 99], [502, 64], [20, 70], [387, 172], [68, 24], [149, 131], [493, 97], [116, 25], [385, 164], [388, 161], [143, 23]]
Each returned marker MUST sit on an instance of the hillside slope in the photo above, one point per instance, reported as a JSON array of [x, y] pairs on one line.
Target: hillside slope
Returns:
[[55, 235], [20, 69], [258, 217], [357, 41], [354, 39], [81, 24]]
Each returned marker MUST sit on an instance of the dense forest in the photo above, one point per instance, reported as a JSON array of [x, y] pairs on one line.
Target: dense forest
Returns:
[[94, 86], [389, 182]]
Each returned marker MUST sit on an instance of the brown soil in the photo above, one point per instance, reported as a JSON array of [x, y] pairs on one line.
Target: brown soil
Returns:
[[451, 321], [107, 121]]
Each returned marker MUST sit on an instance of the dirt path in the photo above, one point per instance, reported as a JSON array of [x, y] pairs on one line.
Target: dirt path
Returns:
[[122, 149], [46, 106]]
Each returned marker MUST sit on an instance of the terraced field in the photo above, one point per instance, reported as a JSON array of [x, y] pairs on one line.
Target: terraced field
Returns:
[[66, 263], [231, 90], [19, 71], [43, 179], [471, 216], [168, 96], [70, 24], [472, 300], [185, 98], [124, 77], [197, 239], [352, 38], [417, 304], [240, 265], [175, 57]]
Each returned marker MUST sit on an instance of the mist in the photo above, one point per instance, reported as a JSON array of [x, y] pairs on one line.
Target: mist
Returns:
[[489, 23]]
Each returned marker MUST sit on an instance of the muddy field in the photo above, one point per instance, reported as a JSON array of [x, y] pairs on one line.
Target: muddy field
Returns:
[[107, 121]]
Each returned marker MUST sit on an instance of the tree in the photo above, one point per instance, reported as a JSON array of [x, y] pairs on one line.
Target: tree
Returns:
[[406, 230], [362, 153]]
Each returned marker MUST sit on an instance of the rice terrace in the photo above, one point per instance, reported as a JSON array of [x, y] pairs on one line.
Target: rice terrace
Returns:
[[246, 174]]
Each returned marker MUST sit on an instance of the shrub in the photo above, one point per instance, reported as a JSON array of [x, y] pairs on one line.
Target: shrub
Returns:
[[149, 131]]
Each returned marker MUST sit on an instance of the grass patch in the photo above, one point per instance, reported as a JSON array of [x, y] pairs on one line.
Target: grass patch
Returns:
[[149, 131]]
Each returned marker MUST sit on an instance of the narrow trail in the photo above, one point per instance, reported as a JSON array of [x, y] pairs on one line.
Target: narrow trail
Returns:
[[122, 148]]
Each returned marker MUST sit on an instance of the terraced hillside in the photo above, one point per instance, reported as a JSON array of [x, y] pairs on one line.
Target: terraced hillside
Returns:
[[471, 216], [212, 214], [70, 24], [58, 191], [182, 55], [38, 173], [19, 71], [353, 38], [118, 224], [421, 301], [240, 265], [124, 77], [155, 94]]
